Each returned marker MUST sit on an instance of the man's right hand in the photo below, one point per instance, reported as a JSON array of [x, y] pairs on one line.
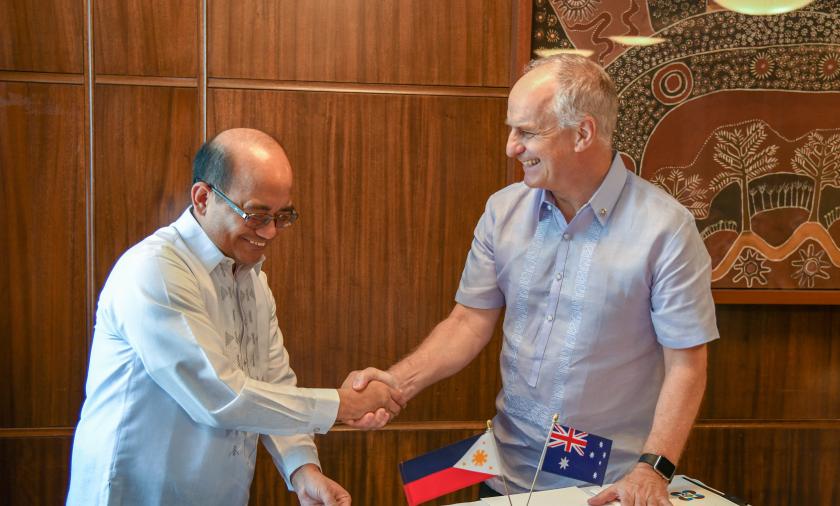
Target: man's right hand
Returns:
[[377, 395]]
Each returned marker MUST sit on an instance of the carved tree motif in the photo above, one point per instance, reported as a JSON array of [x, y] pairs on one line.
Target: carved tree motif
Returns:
[[739, 152], [819, 158], [688, 191]]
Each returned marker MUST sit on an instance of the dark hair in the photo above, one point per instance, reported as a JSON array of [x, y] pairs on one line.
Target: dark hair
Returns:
[[212, 165]]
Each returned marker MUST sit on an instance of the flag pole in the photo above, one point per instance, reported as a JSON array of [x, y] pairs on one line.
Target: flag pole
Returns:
[[502, 474], [542, 458]]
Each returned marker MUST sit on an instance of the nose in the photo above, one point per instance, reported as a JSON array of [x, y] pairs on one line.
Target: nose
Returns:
[[514, 148], [267, 231]]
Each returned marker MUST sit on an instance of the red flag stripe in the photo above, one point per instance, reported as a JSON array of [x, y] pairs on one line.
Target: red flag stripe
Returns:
[[440, 483]]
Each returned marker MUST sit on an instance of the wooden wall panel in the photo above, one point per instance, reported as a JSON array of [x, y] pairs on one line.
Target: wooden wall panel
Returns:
[[146, 37], [145, 140], [390, 189], [773, 465], [775, 362], [42, 230], [42, 35], [437, 42], [35, 471], [365, 464]]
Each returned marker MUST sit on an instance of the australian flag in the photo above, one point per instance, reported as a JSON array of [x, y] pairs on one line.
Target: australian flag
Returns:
[[576, 454]]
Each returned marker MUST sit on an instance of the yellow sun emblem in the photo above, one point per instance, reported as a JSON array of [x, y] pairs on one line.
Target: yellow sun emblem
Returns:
[[479, 458]]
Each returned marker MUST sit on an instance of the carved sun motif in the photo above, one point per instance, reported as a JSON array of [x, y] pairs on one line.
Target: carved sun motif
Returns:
[[810, 265], [830, 67], [762, 66], [750, 267], [575, 11]]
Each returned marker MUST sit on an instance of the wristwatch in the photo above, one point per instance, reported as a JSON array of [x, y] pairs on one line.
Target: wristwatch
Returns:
[[660, 464]]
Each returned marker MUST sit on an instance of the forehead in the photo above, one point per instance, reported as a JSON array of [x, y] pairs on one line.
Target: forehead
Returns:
[[529, 102]]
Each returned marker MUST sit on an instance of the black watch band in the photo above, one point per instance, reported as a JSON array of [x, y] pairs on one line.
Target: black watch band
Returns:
[[660, 464]]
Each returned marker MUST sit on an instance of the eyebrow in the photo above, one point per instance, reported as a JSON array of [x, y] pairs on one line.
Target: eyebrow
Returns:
[[264, 208]]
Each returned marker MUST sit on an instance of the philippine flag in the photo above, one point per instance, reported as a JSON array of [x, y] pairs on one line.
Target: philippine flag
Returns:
[[450, 468]]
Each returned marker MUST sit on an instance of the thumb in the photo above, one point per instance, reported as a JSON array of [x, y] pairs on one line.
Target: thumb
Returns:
[[604, 497], [360, 381]]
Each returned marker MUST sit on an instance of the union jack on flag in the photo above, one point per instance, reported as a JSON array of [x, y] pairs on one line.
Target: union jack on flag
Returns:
[[572, 439], [577, 454]]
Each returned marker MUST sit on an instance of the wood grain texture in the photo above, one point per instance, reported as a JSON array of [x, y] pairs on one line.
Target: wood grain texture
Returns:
[[42, 230], [146, 37], [390, 189], [42, 35], [388, 41], [768, 466], [774, 363], [365, 464], [35, 471], [145, 141]]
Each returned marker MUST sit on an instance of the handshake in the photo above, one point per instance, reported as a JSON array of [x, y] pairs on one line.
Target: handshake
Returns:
[[369, 399]]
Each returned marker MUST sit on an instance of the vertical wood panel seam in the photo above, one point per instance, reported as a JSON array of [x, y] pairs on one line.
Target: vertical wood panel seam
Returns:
[[90, 301], [203, 70]]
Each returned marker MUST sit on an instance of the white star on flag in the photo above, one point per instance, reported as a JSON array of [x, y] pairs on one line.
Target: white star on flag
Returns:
[[564, 463], [591, 455]]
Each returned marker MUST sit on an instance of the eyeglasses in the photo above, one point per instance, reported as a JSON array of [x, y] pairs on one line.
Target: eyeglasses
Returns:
[[283, 219]]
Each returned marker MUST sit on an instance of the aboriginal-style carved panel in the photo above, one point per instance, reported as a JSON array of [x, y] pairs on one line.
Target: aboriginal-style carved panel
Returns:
[[737, 117]]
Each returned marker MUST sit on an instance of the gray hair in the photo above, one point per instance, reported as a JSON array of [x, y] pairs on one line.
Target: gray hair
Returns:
[[583, 88]]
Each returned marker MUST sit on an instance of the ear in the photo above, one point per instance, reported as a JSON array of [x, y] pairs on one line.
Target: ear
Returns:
[[586, 134], [199, 195]]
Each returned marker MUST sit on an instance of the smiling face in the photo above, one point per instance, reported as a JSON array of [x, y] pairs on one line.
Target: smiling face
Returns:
[[536, 139], [261, 182]]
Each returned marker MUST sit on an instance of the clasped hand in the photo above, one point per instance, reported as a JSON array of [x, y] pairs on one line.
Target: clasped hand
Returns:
[[369, 399]]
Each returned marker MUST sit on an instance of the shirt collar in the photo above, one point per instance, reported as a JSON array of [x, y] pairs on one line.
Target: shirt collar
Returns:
[[200, 244], [605, 197]]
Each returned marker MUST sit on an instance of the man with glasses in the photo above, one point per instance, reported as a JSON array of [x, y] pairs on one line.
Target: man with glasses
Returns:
[[188, 368]]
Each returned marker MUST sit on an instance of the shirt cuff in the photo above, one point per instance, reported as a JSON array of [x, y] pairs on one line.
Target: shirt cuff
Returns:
[[326, 409], [294, 459]]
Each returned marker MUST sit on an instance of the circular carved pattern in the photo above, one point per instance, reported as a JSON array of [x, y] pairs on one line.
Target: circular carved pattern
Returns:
[[672, 83]]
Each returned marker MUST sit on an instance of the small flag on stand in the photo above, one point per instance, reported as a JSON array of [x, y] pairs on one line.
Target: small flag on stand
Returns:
[[577, 454], [450, 468]]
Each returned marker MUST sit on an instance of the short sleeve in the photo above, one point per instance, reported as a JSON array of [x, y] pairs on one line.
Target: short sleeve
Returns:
[[479, 286], [682, 308]]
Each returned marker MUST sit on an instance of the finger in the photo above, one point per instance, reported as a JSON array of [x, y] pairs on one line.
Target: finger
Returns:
[[372, 373], [610, 494], [381, 417], [351, 377], [398, 397], [366, 422], [393, 407], [361, 379]]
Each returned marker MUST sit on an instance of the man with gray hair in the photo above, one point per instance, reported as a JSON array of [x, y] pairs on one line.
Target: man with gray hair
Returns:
[[606, 288]]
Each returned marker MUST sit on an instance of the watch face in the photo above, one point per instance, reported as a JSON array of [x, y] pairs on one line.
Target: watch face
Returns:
[[660, 464], [665, 467]]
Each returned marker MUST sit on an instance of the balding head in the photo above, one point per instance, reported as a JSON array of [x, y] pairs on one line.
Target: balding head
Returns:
[[238, 175], [239, 152]]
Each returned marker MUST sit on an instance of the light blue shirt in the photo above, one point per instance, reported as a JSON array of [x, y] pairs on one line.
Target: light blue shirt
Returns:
[[589, 306], [187, 369]]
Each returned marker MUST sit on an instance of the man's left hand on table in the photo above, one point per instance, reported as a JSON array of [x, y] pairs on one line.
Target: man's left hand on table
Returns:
[[641, 487]]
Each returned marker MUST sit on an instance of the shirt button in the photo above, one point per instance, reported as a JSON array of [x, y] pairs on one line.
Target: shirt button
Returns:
[[318, 429], [602, 212], [558, 276], [549, 318], [567, 236]]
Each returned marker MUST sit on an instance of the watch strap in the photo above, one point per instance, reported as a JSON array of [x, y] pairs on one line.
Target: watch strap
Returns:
[[660, 464]]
